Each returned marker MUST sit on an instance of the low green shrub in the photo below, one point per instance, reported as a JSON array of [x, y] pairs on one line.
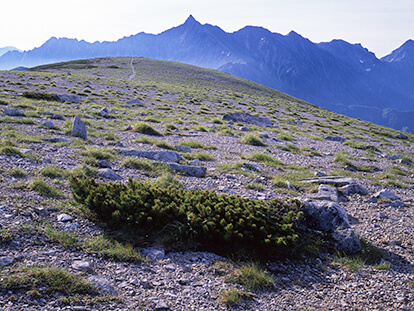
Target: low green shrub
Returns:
[[112, 249], [52, 172], [251, 276], [17, 172], [150, 167], [45, 189], [219, 223], [202, 156], [35, 277], [265, 158], [233, 296], [252, 139], [146, 129], [196, 144], [11, 151]]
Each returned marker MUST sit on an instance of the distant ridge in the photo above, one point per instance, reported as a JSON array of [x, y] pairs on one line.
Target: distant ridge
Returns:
[[339, 76], [8, 48]]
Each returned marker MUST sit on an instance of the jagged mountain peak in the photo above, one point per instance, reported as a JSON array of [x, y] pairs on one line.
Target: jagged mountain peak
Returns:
[[404, 53], [355, 55], [191, 20]]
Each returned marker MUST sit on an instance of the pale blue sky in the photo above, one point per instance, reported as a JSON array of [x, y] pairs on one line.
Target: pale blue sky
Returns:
[[379, 25]]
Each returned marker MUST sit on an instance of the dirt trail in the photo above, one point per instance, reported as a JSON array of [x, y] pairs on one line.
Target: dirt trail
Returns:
[[132, 75]]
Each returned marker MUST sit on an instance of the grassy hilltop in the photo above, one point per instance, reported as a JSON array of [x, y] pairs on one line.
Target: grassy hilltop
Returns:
[[155, 105]]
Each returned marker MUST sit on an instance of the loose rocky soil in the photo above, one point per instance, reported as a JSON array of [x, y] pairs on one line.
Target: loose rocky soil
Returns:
[[190, 280]]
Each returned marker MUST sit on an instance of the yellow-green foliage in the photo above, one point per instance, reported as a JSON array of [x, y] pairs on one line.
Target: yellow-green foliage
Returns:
[[217, 222]]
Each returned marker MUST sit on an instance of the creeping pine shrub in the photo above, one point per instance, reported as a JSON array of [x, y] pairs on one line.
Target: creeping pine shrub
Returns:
[[39, 96], [195, 217]]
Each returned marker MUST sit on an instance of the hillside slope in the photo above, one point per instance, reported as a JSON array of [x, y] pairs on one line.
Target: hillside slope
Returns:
[[336, 75], [56, 255]]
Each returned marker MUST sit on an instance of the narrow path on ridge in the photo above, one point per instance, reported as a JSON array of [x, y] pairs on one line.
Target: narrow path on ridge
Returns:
[[132, 75]]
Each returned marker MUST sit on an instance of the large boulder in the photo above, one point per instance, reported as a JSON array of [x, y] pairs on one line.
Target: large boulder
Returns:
[[68, 98], [79, 128], [353, 189], [102, 285], [385, 194], [247, 118], [325, 193], [136, 101], [335, 138], [331, 218], [13, 112], [194, 171], [332, 180], [165, 156]]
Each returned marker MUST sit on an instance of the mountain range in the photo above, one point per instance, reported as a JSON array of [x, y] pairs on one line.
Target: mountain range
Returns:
[[8, 48], [339, 76]]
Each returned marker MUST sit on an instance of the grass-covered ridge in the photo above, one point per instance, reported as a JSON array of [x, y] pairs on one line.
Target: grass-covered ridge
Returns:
[[194, 217]]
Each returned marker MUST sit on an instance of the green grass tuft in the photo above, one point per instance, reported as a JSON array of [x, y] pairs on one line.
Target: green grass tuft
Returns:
[[252, 139], [41, 186]]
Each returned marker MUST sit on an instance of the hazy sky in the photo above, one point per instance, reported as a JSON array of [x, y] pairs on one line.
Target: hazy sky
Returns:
[[379, 25]]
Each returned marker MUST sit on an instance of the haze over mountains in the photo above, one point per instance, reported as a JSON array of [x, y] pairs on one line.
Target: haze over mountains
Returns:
[[339, 76], [8, 48]]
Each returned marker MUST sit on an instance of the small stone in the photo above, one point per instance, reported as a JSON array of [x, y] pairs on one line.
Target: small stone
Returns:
[[402, 136], [161, 305], [135, 101], [386, 194], [40, 210], [64, 218], [404, 161], [145, 284], [289, 185], [104, 112], [372, 200], [396, 203], [49, 124], [6, 261], [68, 98], [335, 138], [102, 284], [195, 162], [153, 253], [381, 215], [169, 267], [104, 164], [194, 171], [222, 188], [353, 189], [108, 174], [400, 297], [81, 265], [46, 160], [183, 148], [319, 174], [14, 244], [251, 167], [244, 129]]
